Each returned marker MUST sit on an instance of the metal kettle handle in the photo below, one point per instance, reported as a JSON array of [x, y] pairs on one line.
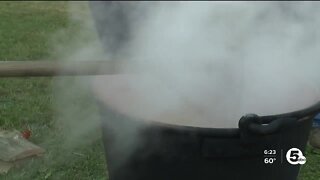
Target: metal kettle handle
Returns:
[[252, 123], [264, 125]]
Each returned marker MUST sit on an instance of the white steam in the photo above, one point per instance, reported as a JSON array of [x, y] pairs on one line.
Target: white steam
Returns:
[[209, 63], [199, 64]]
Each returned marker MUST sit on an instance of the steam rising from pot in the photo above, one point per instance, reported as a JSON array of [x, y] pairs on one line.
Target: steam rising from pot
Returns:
[[199, 64], [209, 63]]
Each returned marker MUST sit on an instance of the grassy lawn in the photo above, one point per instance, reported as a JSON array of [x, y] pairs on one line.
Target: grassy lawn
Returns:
[[26, 33]]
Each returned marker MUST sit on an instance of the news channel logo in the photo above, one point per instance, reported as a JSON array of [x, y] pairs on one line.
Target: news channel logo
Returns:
[[293, 156]]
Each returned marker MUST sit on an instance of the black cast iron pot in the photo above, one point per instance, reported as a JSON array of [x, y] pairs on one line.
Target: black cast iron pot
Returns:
[[171, 152], [140, 150]]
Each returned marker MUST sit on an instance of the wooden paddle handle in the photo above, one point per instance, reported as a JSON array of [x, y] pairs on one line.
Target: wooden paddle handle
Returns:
[[55, 68]]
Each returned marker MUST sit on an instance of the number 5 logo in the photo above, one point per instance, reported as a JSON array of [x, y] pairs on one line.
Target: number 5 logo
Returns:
[[295, 156]]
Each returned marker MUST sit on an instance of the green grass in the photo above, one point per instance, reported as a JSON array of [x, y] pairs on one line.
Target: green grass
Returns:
[[310, 170], [25, 27], [27, 30]]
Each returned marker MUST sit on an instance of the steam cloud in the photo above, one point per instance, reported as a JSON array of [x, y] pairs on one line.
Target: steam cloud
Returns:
[[199, 63], [209, 63]]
